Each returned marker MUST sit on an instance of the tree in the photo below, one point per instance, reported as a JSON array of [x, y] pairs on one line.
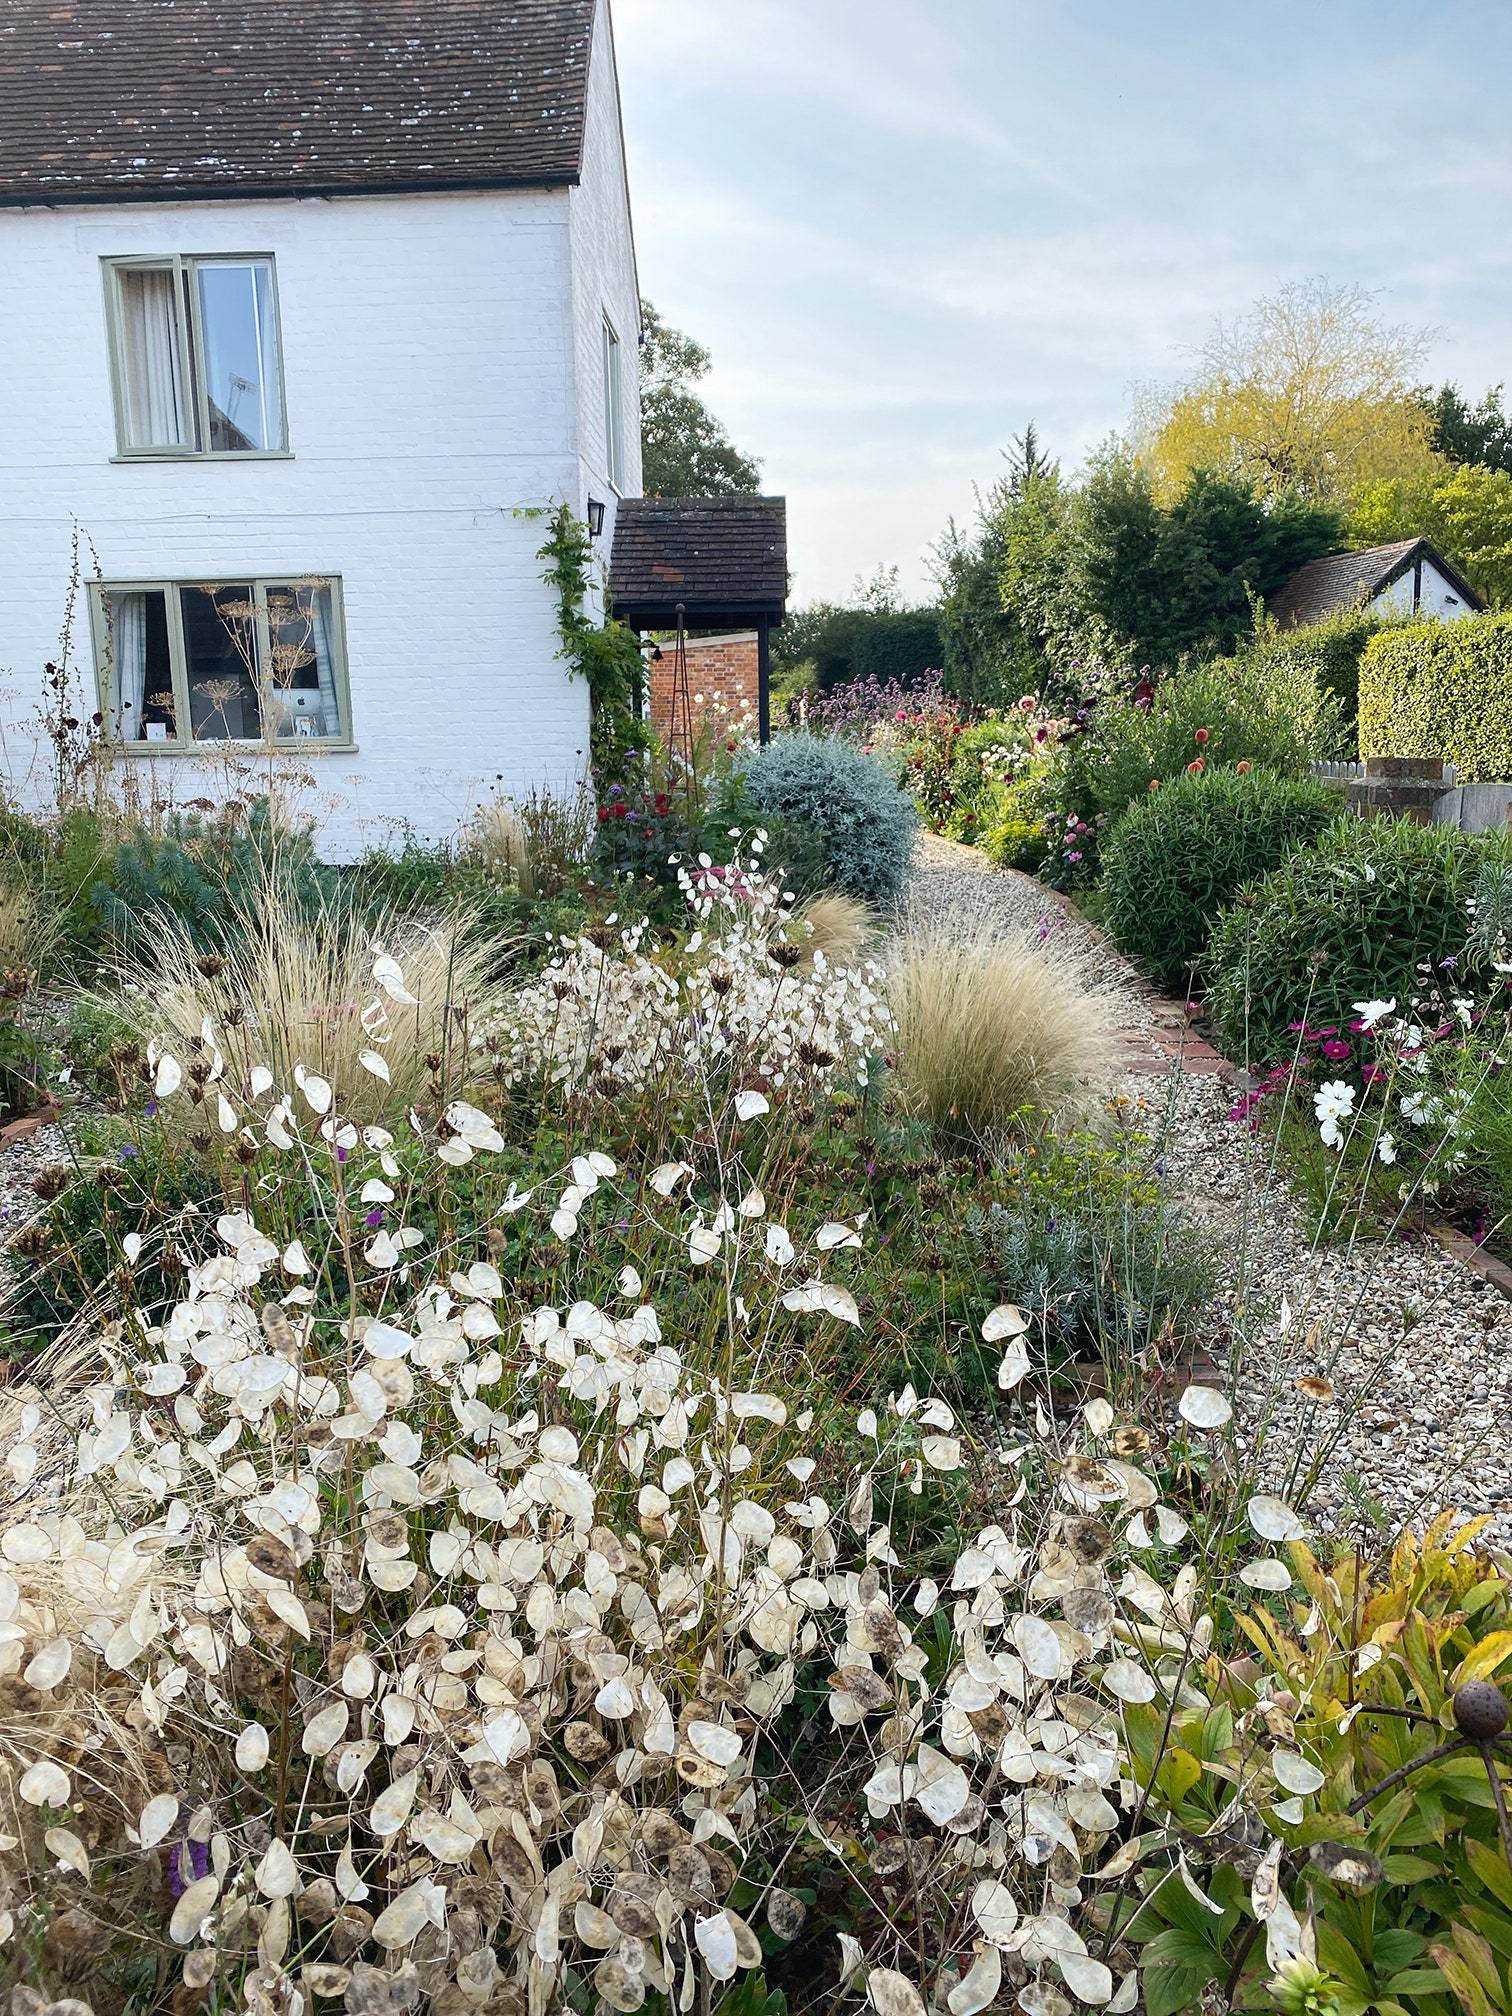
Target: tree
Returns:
[[685, 451], [1167, 582], [1308, 394], [1466, 433], [1466, 510]]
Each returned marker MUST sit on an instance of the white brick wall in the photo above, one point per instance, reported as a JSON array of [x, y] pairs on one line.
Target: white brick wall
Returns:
[[431, 350], [604, 283]]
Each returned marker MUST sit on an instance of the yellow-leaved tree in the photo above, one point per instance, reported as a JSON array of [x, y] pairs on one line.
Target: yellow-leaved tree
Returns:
[[1310, 393]]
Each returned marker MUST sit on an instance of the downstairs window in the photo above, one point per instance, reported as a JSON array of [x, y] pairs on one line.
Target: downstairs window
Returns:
[[184, 663]]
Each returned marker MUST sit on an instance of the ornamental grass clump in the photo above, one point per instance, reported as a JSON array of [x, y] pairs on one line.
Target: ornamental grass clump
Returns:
[[295, 986], [997, 1036]]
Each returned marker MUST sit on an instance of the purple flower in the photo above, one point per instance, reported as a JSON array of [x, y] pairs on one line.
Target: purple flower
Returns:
[[151, 1109], [341, 1154], [374, 1218]]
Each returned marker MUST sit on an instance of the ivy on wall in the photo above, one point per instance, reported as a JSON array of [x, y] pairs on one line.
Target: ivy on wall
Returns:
[[607, 655]]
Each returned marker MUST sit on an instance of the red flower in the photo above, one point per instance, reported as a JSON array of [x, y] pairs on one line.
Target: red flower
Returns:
[[1242, 769], [1201, 737], [1196, 767]]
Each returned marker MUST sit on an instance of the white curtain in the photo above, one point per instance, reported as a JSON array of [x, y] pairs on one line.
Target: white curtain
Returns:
[[128, 651], [154, 389], [325, 661]]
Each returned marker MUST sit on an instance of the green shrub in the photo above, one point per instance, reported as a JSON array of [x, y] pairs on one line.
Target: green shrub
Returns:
[[1349, 919], [1172, 863], [844, 804], [1085, 1243], [1328, 652], [1441, 690], [1274, 716], [200, 874]]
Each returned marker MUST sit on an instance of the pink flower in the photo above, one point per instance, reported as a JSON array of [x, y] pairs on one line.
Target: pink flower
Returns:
[[1201, 737]]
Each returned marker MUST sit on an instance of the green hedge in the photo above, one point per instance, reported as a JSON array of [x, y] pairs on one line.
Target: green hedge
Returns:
[[1174, 861], [1328, 652], [1441, 690]]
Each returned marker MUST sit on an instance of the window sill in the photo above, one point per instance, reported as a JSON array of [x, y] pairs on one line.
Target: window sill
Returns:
[[206, 455], [208, 751]]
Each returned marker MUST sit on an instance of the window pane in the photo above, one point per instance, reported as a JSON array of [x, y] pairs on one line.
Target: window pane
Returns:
[[240, 354], [303, 698], [153, 393], [220, 649], [138, 679]]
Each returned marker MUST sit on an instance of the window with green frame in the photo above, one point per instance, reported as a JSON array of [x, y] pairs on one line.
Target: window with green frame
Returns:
[[184, 663], [195, 357]]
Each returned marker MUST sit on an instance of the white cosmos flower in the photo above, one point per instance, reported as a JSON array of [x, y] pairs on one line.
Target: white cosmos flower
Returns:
[[1372, 1012], [1332, 1103], [1386, 1148]]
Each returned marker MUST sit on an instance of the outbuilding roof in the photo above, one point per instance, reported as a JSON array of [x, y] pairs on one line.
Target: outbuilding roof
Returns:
[[1342, 580], [109, 100], [724, 559]]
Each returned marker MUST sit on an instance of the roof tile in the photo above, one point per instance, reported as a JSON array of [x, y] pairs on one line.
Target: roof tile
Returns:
[[712, 554], [102, 100]]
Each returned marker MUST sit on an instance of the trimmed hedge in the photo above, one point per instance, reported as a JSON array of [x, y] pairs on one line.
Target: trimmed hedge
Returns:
[[1441, 691], [1351, 919], [1172, 863]]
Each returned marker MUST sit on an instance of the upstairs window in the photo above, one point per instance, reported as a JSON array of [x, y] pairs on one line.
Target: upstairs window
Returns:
[[182, 663], [613, 407], [194, 349]]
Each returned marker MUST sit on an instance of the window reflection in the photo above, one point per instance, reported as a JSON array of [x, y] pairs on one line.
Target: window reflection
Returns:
[[240, 355]]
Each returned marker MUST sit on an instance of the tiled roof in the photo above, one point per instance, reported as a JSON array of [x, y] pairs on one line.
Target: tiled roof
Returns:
[[715, 555], [1340, 580], [102, 100]]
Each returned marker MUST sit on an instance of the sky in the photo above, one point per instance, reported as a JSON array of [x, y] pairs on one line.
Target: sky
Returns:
[[904, 228]]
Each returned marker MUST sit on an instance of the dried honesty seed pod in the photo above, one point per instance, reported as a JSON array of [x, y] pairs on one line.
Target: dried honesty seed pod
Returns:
[[785, 1914]]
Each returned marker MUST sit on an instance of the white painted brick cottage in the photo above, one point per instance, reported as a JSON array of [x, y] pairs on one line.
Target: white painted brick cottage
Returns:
[[302, 304]]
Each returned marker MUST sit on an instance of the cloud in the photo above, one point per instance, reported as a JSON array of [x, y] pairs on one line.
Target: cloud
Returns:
[[905, 229]]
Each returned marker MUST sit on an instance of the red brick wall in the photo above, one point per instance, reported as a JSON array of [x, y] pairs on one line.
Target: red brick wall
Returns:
[[723, 684]]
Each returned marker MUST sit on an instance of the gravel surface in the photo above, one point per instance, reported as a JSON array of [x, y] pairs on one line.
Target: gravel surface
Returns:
[[1416, 1348], [20, 1161]]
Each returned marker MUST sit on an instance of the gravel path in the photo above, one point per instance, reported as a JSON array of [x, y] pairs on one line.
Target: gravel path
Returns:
[[1416, 1348]]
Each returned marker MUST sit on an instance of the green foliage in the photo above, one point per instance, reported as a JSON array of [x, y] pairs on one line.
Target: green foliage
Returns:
[[1441, 690], [1328, 651], [842, 801], [199, 872], [844, 645], [607, 655], [1174, 861], [1347, 920], [1166, 582], [685, 452], [421, 879], [1407, 1879], [1081, 1239], [1465, 510], [1271, 715], [986, 658], [1466, 433]]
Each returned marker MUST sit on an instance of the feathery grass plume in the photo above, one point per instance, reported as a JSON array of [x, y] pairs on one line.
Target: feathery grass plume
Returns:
[[298, 987], [837, 925], [29, 932], [495, 840], [997, 1035]]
